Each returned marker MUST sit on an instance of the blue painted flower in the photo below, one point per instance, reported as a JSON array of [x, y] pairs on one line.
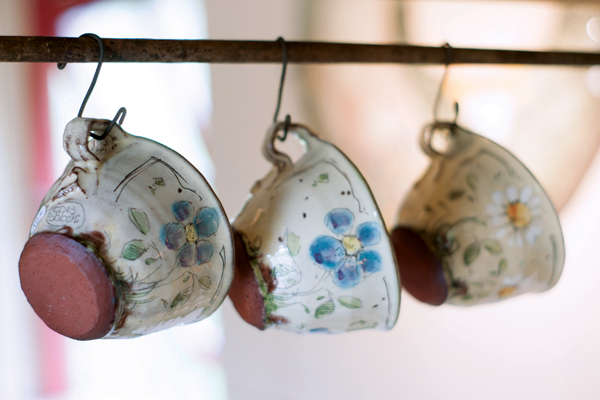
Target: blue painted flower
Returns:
[[185, 235], [347, 258]]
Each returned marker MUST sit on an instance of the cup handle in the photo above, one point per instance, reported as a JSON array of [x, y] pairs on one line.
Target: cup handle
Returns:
[[427, 135], [459, 139], [281, 160], [75, 143]]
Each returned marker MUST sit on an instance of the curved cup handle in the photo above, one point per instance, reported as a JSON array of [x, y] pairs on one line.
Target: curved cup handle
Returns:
[[75, 143], [458, 138], [281, 160]]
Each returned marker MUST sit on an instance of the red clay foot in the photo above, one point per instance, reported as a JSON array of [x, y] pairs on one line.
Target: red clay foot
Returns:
[[245, 290], [421, 270], [67, 286]]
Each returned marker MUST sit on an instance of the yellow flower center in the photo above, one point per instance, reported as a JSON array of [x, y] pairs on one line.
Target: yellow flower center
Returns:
[[506, 291], [190, 234], [518, 214], [351, 244]]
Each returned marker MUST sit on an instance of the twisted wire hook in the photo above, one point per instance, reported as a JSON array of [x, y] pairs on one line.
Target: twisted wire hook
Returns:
[[120, 116], [288, 119], [438, 98]]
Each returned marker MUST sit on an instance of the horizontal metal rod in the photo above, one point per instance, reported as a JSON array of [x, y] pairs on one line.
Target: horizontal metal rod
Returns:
[[80, 50]]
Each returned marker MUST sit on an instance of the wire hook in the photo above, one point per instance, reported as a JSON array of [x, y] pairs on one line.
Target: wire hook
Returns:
[[439, 93], [288, 119], [120, 116]]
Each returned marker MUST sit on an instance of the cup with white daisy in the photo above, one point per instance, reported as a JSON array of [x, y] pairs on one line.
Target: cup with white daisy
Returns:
[[477, 227]]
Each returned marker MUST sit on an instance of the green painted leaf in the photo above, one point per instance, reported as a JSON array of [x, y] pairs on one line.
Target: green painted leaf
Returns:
[[205, 282], [289, 280], [182, 296], [138, 295], [282, 270], [472, 181], [320, 297], [165, 302], [350, 302], [270, 305], [502, 265], [283, 296], [187, 278], [178, 299], [455, 194], [159, 181], [134, 250], [293, 243], [493, 246], [140, 220], [359, 327], [471, 253], [361, 322], [306, 309], [281, 300], [325, 309], [150, 261], [323, 178]]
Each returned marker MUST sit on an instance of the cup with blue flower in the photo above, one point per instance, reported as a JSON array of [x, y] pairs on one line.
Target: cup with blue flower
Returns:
[[313, 253]]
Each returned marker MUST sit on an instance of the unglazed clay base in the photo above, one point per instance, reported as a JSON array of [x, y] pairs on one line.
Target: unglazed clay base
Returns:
[[421, 270], [245, 289], [68, 286]]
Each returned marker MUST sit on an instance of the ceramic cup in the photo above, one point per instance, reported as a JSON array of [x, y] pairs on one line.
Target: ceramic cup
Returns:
[[489, 230], [314, 254], [130, 240]]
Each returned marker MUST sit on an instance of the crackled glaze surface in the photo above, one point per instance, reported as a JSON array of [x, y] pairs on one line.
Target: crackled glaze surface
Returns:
[[152, 219], [315, 226], [487, 218]]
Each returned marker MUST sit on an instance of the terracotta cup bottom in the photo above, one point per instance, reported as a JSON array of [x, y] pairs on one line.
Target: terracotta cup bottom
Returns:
[[245, 290], [421, 270], [68, 286]]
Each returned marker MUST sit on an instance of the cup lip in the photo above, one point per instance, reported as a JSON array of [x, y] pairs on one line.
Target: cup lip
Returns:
[[560, 252], [271, 134]]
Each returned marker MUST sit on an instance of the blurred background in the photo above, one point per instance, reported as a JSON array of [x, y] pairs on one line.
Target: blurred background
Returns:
[[533, 346]]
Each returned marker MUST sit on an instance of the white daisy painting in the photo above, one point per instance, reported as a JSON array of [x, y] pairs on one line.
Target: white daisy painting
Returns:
[[517, 214]]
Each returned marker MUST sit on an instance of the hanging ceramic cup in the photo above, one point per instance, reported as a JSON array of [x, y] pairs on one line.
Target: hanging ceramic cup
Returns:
[[477, 227], [312, 250], [130, 240]]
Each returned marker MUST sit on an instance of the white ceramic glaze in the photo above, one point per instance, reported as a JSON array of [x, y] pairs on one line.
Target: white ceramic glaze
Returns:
[[315, 226], [152, 219], [486, 217]]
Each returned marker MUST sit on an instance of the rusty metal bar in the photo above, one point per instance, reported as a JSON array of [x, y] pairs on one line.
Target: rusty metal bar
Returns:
[[81, 50]]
